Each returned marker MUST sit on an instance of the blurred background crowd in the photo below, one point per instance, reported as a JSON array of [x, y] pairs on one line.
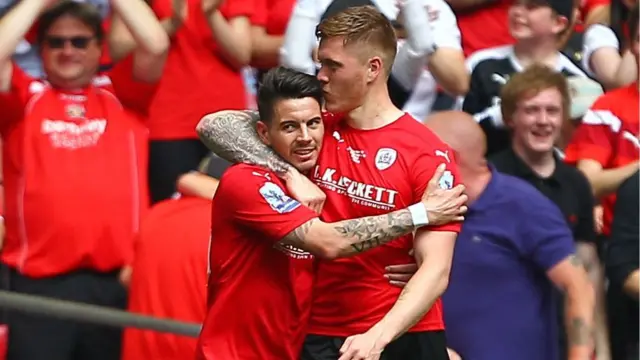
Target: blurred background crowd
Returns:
[[121, 218]]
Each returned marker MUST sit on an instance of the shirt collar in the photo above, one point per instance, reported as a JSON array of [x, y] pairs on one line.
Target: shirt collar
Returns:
[[522, 170]]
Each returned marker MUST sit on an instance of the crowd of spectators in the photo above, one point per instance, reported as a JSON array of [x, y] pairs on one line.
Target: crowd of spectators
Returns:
[[107, 188]]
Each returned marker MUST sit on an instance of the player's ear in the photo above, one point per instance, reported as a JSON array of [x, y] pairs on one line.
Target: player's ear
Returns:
[[375, 68], [263, 132]]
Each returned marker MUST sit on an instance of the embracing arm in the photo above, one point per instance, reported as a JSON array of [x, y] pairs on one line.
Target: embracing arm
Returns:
[[350, 237], [232, 135]]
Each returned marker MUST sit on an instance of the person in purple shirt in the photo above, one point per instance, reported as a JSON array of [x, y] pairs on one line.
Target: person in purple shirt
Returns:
[[513, 248]]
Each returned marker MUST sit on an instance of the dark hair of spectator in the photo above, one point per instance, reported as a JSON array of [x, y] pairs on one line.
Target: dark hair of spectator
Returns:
[[283, 84], [364, 26], [88, 14], [619, 18], [632, 22], [529, 83]]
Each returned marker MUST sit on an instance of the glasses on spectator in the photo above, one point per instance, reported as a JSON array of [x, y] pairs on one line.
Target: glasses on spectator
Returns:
[[77, 42]]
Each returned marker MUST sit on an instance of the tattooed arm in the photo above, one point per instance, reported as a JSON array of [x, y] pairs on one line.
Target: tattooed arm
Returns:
[[350, 237], [231, 134], [570, 276]]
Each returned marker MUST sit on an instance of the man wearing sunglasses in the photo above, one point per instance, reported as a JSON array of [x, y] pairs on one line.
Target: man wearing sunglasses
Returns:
[[73, 162]]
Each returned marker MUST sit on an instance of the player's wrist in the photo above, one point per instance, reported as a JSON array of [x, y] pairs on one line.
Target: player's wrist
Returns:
[[419, 214]]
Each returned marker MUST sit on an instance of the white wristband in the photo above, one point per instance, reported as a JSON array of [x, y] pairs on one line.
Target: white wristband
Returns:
[[418, 215]]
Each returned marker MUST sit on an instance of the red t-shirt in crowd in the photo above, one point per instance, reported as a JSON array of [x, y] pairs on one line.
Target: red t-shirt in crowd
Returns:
[[586, 6], [485, 27], [367, 173], [169, 277], [609, 134], [273, 15], [74, 165], [259, 291], [196, 79]]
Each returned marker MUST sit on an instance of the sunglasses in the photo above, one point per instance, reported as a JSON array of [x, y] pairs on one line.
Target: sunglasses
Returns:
[[77, 42]]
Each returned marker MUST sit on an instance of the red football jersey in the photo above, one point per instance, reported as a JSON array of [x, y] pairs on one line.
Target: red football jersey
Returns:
[[171, 258], [365, 173], [259, 291], [196, 80], [74, 165], [609, 135]]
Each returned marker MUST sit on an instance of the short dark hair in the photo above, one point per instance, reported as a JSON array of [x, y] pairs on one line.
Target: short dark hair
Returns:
[[86, 13], [281, 83], [632, 23]]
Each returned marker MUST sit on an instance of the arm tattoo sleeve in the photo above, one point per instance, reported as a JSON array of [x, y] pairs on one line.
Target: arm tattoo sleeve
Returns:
[[232, 136], [359, 235]]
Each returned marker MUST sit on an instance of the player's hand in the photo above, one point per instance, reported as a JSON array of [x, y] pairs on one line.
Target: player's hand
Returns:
[[453, 355], [304, 190], [399, 275], [363, 346], [443, 205]]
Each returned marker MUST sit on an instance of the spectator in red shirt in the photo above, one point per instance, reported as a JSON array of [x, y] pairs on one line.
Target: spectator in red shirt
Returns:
[[488, 15], [606, 145], [71, 155], [210, 44], [171, 258], [269, 24]]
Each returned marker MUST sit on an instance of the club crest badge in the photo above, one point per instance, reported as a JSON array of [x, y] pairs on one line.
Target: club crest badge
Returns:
[[385, 158]]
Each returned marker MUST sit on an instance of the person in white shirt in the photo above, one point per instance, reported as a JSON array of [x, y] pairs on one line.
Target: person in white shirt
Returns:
[[604, 60]]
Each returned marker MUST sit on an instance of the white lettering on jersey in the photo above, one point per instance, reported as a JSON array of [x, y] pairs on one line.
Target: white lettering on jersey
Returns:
[[72, 135], [277, 199], [444, 154], [385, 158], [292, 251], [359, 193], [446, 180], [356, 155]]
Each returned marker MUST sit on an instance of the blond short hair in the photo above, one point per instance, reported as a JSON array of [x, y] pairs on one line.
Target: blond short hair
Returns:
[[364, 26]]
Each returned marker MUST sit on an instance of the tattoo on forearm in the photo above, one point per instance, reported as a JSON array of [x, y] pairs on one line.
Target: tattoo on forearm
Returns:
[[297, 236], [579, 332], [361, 234], [232, 135], [370, 232]]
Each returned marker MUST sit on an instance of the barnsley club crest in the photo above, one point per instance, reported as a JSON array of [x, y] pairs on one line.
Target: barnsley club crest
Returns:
[[385, 158]]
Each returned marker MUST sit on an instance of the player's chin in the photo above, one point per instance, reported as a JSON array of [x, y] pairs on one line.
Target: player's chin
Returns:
[[335, 107], [305, 163]]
